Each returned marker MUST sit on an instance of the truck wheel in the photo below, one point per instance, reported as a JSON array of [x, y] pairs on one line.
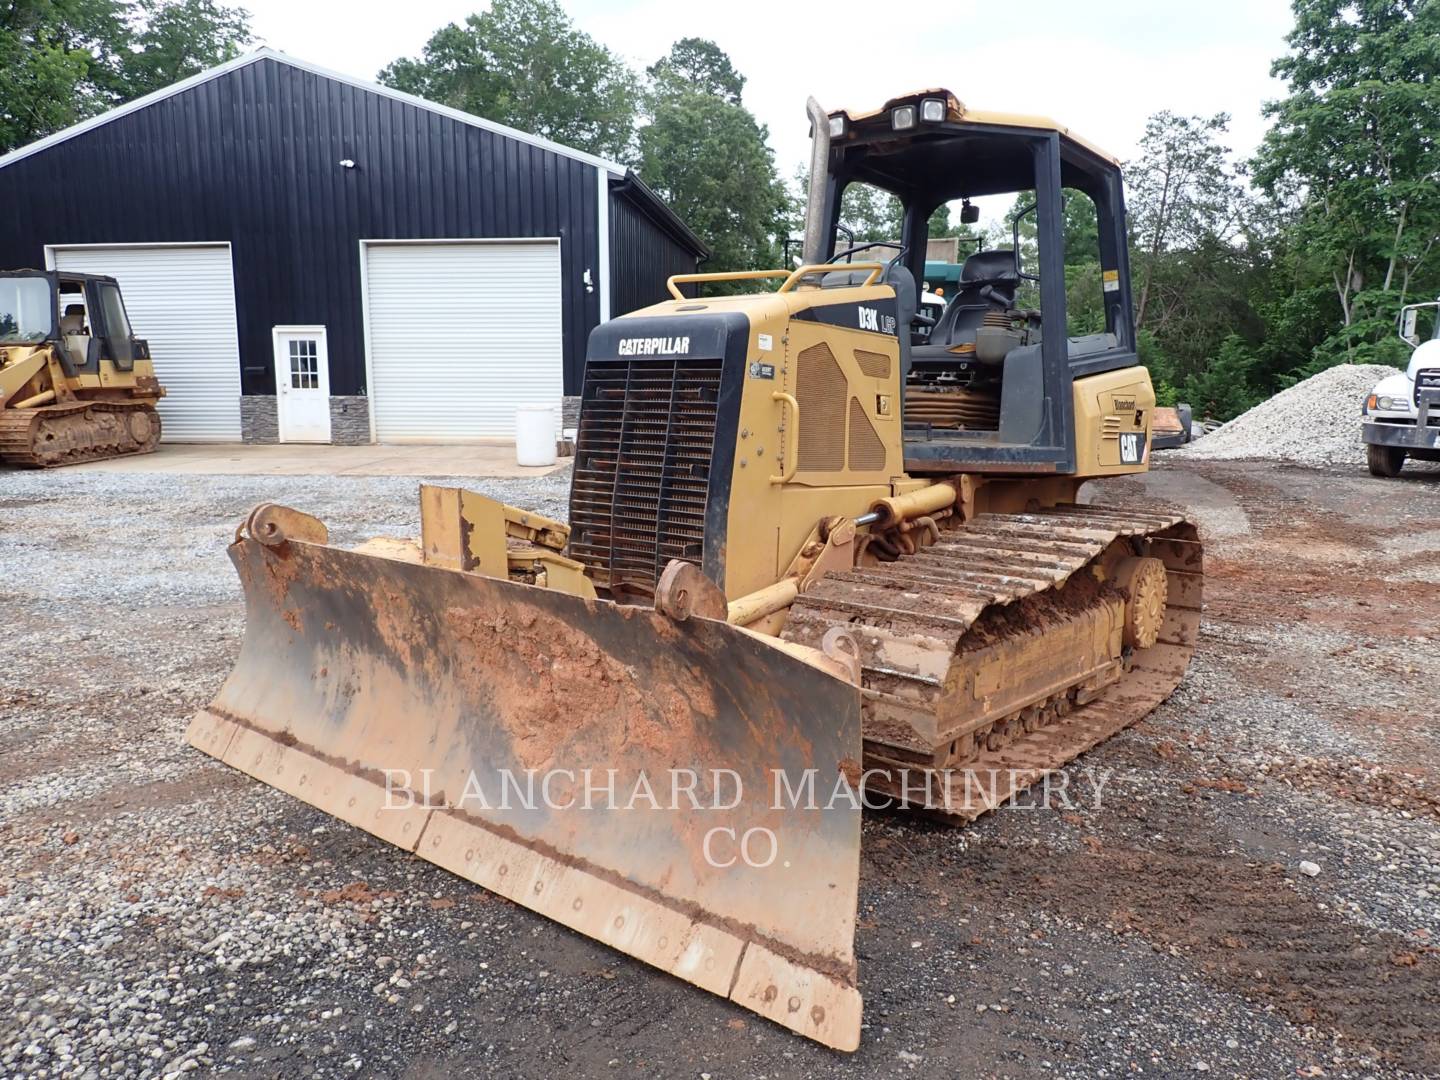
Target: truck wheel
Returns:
[[1385, 460]]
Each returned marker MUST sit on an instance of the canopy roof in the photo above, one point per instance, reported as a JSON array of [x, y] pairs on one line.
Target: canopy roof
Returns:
[[965, 154]]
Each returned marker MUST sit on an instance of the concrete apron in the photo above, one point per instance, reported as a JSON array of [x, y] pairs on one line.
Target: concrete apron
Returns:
[[238, 459]]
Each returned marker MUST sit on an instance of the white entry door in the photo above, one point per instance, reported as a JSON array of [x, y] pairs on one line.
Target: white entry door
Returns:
[[302, 384]]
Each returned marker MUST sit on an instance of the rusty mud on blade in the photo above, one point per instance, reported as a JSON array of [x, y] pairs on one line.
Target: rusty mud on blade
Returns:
[[422, 705]]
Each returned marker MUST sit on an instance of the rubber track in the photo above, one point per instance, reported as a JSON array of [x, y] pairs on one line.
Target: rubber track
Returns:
[[923, 606]]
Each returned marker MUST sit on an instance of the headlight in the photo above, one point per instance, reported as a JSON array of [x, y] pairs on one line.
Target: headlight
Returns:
[[902, 117], [1393, 404], [837, 126], [932, 110]]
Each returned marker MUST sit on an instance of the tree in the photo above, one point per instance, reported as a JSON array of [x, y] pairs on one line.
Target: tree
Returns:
[[1224, 389], [524, 63], [873, 215], [699, 65], [709, 158], [1182, 194], [172, 41], [64, 60], [1355, 147], [49, 51]]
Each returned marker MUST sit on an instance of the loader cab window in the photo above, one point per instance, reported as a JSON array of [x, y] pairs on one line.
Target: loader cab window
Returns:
[[1085, 314], [75, 322], [118, 344], [870, 223], [27, 314]]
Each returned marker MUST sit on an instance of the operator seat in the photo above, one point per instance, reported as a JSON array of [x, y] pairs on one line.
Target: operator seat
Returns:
[[988, 281], [73, 321]]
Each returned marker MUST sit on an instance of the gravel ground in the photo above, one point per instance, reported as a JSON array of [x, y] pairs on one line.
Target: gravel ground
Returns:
[[160, 914], [1315, 422]]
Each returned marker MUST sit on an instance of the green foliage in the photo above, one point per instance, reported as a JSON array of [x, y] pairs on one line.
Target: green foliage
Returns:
[[874, 215], [1353, 154], [1162, 371], [1081, 229], [62, 61], [524, 63], [1084, 299], [1224, 389], [701, 66], [710, 159], [1183, 198], [175, 40]]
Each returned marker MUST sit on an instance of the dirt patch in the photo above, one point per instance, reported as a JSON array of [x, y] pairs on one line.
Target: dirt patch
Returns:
[[1247, 930]]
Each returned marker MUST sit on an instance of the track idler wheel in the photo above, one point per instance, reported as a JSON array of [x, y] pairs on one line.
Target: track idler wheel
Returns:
[[1143, 579]]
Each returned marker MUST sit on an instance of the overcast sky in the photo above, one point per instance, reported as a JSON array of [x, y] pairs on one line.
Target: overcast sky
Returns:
[[1099, 68]]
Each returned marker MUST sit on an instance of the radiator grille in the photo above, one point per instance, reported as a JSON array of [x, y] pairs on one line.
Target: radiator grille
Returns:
[[1426, 379], [867, 449], [821, 389], [642, 468], [874, 364]]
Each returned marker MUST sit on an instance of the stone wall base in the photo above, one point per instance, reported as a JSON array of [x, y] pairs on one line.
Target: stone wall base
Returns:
[[259, 422], [349, 420]]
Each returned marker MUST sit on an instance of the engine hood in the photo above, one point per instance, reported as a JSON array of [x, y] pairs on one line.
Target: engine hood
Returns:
[[1426, 355], [1398, 385]]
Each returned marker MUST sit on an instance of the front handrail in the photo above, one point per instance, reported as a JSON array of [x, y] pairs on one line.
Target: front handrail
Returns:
[[721, 275], [792, 277], [875, 268]]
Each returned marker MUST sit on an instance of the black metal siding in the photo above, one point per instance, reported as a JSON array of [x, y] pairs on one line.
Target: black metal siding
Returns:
[[252, 157], [643, 255]]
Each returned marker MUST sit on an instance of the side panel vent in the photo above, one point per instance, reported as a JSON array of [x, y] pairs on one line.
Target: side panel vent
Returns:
[[642, 468], [821, 389], [867, 449], [874, 364]]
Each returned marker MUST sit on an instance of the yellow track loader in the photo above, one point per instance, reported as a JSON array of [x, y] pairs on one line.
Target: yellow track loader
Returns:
[[815, 560], [75, 383]]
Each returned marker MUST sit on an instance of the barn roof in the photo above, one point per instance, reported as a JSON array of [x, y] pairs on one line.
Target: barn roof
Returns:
[[615, 169]]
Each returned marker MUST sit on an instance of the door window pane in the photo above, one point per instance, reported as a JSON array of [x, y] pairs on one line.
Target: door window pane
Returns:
[[304, 364]]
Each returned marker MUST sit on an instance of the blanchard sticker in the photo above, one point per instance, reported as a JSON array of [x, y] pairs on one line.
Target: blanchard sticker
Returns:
[[761, 371], [871, 319], [650, 346]]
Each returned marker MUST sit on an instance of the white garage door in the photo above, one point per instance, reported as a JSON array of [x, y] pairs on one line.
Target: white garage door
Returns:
[[182, 301], [460, 335]]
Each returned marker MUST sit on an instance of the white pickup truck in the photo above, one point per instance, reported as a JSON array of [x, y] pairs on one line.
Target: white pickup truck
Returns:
[[1402, 412]]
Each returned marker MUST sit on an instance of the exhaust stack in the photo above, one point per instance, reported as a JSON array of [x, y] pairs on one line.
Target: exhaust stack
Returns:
[[816, 212]]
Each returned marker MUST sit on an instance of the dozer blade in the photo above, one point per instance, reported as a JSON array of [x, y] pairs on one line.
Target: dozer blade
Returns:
[[642, 781]]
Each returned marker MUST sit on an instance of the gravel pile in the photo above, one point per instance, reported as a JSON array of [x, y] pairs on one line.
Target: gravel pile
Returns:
[[1315, 422]]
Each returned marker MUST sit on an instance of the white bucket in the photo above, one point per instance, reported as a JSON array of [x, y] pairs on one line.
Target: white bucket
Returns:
[[535, 435]]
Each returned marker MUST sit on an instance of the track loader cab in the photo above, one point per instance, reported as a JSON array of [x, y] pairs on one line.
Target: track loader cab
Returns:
[[994, 385]]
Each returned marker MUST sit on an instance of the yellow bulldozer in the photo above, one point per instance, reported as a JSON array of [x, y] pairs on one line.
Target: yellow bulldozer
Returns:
[[815, 561], [76, 384]]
